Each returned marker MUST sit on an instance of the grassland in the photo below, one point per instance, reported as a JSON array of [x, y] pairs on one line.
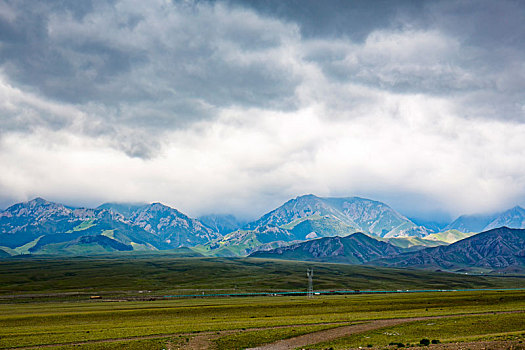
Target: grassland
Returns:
[[249, 321], [151, 275], [444, 330], [46, 301], [248, 339]]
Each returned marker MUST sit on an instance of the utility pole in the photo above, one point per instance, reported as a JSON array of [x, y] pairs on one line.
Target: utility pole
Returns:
[[310, 275]]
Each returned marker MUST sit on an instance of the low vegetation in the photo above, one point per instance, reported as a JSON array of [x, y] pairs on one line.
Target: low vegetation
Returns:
[[148, 275], [247, 339], [133, 302], [454, 329], [250, 321]]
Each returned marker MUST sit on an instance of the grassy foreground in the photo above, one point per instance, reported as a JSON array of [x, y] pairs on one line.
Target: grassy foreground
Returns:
[[248, 321], [46, 301], [444, 330]]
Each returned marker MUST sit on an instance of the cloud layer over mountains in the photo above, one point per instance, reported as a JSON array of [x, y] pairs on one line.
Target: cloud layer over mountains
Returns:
[[215, 106]]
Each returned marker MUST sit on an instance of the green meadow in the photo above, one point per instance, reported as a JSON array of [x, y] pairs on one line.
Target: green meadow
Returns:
[[444, 330], [152, 275], [46, 301], [251, 321]]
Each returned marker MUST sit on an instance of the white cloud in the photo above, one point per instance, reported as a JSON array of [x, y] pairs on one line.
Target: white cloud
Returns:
[[217, 108]]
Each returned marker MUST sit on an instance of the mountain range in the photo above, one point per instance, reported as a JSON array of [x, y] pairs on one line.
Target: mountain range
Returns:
[[501, 249], [170, 225], [356, 248], [42, 227], [308, 217], [352, 214], [497, 249]]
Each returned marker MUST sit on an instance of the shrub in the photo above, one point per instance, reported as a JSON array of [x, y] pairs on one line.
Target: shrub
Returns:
[[424, 341], [435, 341]]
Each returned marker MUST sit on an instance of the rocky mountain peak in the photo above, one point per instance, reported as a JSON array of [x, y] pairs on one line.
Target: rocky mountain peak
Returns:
[[37, 208]]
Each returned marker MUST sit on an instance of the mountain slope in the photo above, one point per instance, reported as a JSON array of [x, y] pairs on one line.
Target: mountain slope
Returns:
[[357, 248], [244, 242], [86, 245], [512, 218], [124, 209], [495, 249], [413, 243], [24, 222], [103, 223], [4, 253], [310, 217], [471, 223], [449, 236], [39, 226], [298, 208], [172, 226], [222, 223], [316, 226], [353, 213]]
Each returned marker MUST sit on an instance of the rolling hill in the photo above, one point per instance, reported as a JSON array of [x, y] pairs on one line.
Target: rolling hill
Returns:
[[127, 272]]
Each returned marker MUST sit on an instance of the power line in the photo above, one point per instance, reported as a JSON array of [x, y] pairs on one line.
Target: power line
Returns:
[[310, 274]]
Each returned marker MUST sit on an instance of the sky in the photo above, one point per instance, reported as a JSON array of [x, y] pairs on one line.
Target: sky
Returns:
[[238, 106]]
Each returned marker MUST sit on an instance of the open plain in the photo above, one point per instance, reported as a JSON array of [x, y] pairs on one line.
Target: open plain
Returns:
[[109, 312]]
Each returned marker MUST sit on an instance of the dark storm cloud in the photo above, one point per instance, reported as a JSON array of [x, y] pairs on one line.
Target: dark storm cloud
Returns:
[[31, 56], [168, 64], [485, 23], [336, 18], [114, 55], [472, 50]]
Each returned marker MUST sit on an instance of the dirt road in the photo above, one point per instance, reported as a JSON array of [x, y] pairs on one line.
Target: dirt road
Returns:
[[335, 333]]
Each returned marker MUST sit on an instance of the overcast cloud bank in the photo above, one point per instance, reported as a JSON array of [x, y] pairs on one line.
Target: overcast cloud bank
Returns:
[[226, 107]]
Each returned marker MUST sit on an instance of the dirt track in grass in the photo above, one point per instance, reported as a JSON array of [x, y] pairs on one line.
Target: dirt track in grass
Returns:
[[204, 340], [335, 333]]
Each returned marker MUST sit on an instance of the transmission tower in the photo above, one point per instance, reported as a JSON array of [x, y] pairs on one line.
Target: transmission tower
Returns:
[[310, 274]]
